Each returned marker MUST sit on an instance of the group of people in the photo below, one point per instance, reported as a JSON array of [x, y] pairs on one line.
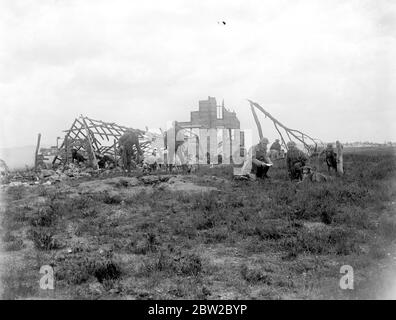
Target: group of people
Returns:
[[126, 143], [103, 160], [132, 155], [259, 160]]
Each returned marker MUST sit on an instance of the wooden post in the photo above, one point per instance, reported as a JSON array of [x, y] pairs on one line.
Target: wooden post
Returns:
[[340, 162], [67, 150], [260, 131], [230, 135], [91, 153], [37, 150], [171, 144], [115, 153]]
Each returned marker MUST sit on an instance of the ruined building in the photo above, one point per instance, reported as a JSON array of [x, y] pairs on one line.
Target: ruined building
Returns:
[[212, 116], [219, 127]]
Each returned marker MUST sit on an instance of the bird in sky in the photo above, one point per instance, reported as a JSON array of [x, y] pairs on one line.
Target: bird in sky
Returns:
[[223, 22]]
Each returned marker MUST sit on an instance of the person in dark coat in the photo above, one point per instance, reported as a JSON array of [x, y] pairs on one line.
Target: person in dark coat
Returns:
[[295, 160], [276, 146], [127, 141], [275, 150], [77, 156], [331, 158], [260, 160], [105, 161]]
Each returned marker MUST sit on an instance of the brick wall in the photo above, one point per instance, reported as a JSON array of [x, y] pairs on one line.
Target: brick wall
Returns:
[[206, 117]]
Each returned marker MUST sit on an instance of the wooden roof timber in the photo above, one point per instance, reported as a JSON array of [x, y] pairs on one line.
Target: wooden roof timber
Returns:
[[91, 124], [108, 125], [105, 130], [107, 137], [97, 132], [106, 149], [298, 135], [78, 132], [112, 124]]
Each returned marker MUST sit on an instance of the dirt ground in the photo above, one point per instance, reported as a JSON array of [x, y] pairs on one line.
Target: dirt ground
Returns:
[[204, 236]]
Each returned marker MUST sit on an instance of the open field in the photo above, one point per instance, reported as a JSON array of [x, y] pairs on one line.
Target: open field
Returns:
[[205, 236]]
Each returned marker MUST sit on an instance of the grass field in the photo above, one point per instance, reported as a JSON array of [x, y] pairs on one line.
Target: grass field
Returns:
[[128, 238]]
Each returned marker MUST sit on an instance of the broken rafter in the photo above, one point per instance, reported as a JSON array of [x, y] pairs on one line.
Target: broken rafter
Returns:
[[283, 140], [103, 130], [288, 135], [97, 132], [296, 134], [260, 131], [92, 156], [79, 130], [111, 126]]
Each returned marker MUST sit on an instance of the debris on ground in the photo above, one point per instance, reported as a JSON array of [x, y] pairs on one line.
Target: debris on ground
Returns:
[[51, 176], [179, 183], [130, 185], [112, 182], [3, 171]]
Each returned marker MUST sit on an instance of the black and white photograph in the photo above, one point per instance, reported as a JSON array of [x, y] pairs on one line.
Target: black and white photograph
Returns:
[[197, 155]]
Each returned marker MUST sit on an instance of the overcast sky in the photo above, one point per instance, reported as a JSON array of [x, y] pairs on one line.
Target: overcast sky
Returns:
[[324, 67]]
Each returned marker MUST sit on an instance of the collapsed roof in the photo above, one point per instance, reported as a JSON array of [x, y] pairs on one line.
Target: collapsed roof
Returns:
[[95, 136]]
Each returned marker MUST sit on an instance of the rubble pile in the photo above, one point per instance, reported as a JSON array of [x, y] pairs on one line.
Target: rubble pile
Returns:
[[63, 173], [50, 176], [71, 171]]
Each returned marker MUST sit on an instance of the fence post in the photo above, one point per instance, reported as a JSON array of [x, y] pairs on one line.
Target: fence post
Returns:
[[340, 162], [67, 149], [115, 153], [37, 150]]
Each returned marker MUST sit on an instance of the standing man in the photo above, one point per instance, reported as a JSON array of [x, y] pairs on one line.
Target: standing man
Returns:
[[127, 141], [331, 157]]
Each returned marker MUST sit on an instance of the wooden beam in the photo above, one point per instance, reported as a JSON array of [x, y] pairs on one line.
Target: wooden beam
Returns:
[[91, 153], [103, 130], [260, 131], [287, 130], [96, 128], [283, 140], [67, 149], [37, 150], [340, 161], [115, 153]]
